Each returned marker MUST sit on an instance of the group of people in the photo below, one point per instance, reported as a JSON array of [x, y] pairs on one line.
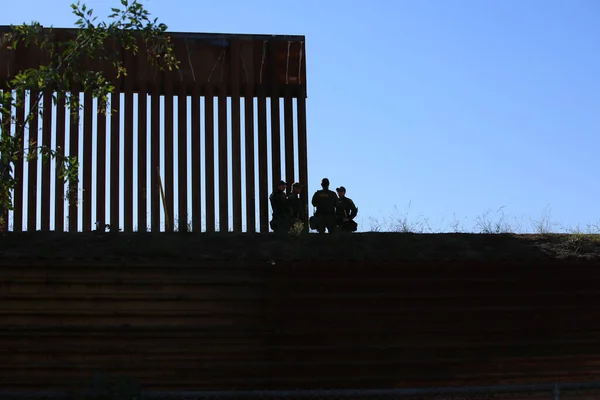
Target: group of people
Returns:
[[333, 211]]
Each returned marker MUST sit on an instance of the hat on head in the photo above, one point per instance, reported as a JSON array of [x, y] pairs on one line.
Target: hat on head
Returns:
[[340, 189], [297, 185], [282, 182]]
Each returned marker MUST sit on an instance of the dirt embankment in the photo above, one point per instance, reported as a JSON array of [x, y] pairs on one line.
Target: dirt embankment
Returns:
[[242, 248]]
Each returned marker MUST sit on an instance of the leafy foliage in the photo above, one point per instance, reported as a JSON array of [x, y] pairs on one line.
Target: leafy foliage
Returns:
[[65, 69]]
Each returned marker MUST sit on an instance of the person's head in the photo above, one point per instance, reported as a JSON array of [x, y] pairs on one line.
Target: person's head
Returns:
[[297, 188], [341, 191], [281, 185], [325, 183]]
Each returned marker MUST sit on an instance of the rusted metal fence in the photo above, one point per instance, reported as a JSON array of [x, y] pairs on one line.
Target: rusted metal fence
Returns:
[[218, 133], [130, 391], [299, 325]]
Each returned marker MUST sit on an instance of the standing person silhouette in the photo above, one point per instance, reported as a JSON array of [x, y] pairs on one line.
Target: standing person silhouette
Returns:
[[324, 201]]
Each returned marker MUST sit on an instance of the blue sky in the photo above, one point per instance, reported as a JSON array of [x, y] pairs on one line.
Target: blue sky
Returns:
[[454, 107]]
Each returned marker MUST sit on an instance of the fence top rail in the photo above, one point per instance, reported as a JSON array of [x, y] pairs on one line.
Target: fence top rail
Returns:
[[196, 35], [268, 64]]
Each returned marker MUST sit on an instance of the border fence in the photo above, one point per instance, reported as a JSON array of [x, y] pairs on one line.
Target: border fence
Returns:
[[314, 324], [551, 391], [217, 133]]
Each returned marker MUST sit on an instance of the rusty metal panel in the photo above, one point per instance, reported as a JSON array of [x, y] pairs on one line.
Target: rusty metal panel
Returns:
[[223, 164], [236, 140], [32, 164], [199, 53], [205, 59], [19, 169], [302, 149], [115, 143], [446, 323], [247, 58], [182, 169], [209, 157], [196, 163], [142, 135], [47, 142], [169, 150], [155, 161], [289, 136], [249, 155], [263, 177], [141, 76], [101, 168], [128, 160], [87, 162], [7, 62], [288, 65]]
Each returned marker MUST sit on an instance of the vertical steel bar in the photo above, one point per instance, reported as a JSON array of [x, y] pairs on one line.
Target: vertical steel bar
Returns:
[[73, 152], [47, 143], [87, 162], [263, 189], [182, 157], [128, 158], [209, 157], [115, 144], [169, 150], [236, 156], [154, 159], [6, 130], [302, 145], [142, 159], [196, 162], [59, 186], [249, 144], [223, 173], [275, 118], [19, 167], [32, 164], [289, 135], [101, 168]]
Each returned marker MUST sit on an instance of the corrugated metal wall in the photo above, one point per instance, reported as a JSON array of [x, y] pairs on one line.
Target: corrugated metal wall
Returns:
[[317, 325], [219, 132]]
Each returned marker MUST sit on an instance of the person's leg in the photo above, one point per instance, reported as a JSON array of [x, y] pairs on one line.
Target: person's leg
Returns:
[[321, 224], [331, 224]]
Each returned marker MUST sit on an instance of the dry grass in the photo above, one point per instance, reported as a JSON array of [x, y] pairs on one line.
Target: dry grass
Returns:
[[489, 222]]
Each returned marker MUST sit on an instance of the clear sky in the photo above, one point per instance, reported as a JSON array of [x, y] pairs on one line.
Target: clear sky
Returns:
[[456, 107]]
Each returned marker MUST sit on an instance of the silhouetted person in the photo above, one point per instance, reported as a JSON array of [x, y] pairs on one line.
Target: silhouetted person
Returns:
[[324, 201], [297, 205], [345, 211], [281, 209]]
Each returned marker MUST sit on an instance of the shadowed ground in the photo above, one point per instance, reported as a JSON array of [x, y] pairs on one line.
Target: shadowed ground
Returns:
[[242, 248], [255, 312]]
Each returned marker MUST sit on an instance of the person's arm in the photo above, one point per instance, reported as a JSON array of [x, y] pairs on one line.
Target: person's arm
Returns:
[[314, 200], [353, 210]]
